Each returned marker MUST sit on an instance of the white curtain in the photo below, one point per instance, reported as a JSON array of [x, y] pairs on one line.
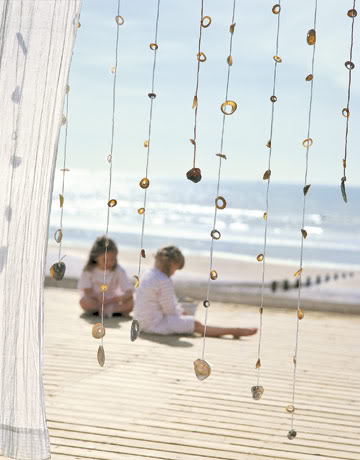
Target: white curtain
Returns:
[[36, 43]]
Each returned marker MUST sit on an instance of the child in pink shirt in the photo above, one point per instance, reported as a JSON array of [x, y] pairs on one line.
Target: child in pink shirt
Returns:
[[118, 297]]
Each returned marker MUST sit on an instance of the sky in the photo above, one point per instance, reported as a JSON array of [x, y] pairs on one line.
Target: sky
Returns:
[[247, 130]]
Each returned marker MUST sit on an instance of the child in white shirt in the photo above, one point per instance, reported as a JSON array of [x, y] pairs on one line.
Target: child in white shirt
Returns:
[[156, 306], [118, 296]]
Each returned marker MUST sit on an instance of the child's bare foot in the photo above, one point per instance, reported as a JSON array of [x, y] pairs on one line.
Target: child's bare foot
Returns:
[[244, 332]]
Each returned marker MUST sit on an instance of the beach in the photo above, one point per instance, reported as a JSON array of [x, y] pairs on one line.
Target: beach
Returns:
[[238, 281]]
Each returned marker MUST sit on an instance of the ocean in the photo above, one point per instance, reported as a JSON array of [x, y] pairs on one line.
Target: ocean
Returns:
[[180, 212]]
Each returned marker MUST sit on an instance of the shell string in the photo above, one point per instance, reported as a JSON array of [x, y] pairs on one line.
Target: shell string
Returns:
[[198, 80], [303, 219], [110, 160], [218, 181], [64, 170], [349, 93], [267, 196], [155, 43]]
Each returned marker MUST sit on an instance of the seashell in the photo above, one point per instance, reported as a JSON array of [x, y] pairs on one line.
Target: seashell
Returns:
[[268, 144], [307, 142], [304, 233], [257, 392], [298, 272], [109, 158], [152, 95], [141, 211], [192, 141], [101, 356], [265, 215], [112, 203], [258, 364], [63, 120], [300, 314], [98, 331], [349, 65], [201, 57], [195, 102], [202, 369], [135, 330], [113, 69], [352, 13], [79, 25], [273, 98], [294, 360], [146, 144], [276, 9], [104, 287], [215, 234], [143, 254], [205, 21], [311, 37], [309, 77], [261, 310], [229, 60], [194, 174], [343, 190], [232, 28], [144, 183], [290, 409], [61, 199], [226, 105], [206, 304], [67, 89], [154, 46], [135, 281], [292, 434], [221, 155], [267, 174], [57, 271], [58, 235], [213, 275], [65, 170], [260, 257], [345, 112], [306, 189], [119, 20], [220, 202], [277, 59]]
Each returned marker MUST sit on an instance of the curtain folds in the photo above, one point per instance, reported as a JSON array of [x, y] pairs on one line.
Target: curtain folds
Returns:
[[36, 44]]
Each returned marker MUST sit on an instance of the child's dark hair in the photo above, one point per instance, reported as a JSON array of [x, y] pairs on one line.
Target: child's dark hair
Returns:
[[99, 248], [165, 256]]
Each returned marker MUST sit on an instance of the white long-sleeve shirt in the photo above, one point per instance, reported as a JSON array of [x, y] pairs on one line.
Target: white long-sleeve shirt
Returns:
[[155, 300]]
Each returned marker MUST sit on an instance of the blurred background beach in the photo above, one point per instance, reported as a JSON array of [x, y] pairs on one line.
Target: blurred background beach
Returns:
[[180, 212]]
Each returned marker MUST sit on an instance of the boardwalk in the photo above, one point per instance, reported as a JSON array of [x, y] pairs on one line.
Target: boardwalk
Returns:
[[147, 404]]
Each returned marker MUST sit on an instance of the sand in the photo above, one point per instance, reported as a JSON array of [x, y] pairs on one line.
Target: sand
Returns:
[[238, 282]]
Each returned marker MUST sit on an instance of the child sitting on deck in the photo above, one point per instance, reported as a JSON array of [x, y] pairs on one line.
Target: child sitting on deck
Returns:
[[118, 296], [156, 308]]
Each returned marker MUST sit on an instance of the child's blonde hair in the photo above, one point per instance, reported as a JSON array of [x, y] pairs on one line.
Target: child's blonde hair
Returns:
[[99, 248], [165, 256]]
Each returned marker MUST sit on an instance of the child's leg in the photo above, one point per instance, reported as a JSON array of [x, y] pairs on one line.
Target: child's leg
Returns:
[[89, 304], [214, 331]]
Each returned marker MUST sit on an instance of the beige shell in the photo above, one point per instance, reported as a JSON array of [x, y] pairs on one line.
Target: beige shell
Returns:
[[135, 281], [260, 257], [202, 369], [98, 331], [195, 102], [135, 330], [101, 356], [257, 392]]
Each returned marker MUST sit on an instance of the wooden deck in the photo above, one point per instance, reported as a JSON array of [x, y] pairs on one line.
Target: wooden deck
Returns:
[[146, 403]]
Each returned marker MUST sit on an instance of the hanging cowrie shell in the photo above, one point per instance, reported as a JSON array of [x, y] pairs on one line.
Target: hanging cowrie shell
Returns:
[[267, 174], [146, 144], [206, 304], [276, 9], [201, 57], [215, 234], [61, 199], [291, 435], [154, 46], [195, 102], [300, 314], [257, 392], [112, 203], [143, 254], [311, 37], [298, 272], [309, 77], [104, 287], [265, 216], [232, 28], [141, 211], [343, 191], [260, 257], [304, 233], [346, 113], [229, 60], [202, 369], [306, 189], [98, 331], [213, 275], [135, 330], [101, 355], [290, 409], [258, 364], [277, 59], [144, 183]]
